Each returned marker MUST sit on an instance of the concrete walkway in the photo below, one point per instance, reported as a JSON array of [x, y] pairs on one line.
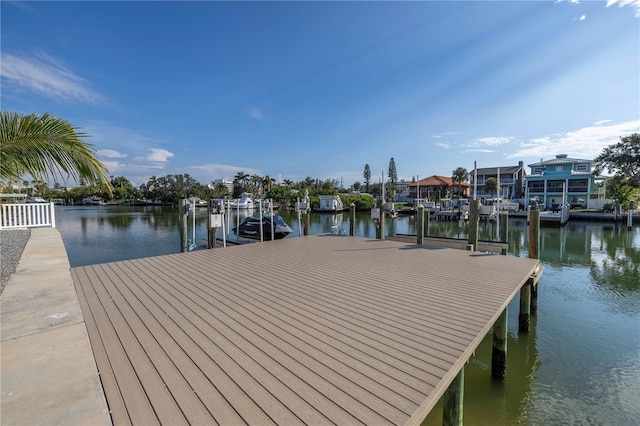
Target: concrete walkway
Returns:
[[48, 372]]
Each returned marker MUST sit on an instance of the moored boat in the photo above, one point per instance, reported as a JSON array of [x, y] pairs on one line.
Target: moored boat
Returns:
[[244, 203], [330, 203], [250, 227]]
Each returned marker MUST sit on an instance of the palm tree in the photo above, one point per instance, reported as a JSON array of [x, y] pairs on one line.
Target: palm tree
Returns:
[[256, 184], [46, 148], [240, 180], [267, 183], [491, 186], [460, 175]]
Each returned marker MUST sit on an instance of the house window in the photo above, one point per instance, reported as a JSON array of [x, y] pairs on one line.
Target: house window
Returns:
[[535, 186], [537, 170], [578, 185], [581, 167], [555, 186]]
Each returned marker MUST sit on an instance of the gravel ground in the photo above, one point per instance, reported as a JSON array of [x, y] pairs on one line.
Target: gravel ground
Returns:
[[12, 244]]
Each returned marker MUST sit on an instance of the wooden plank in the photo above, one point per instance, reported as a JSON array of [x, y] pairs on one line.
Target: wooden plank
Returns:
[[358, 331], [231, 391], [137, 406], [117, 408], [145, 327], [230, 317], [158, 397], [386, 359], [243, 354]]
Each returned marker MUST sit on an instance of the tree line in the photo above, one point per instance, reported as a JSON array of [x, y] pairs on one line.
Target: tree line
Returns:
[[49, 148]]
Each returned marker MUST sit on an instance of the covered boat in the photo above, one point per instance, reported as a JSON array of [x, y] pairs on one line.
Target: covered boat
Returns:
[[250, 227]]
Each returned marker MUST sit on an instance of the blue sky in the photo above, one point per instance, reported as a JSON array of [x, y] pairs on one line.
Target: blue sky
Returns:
[[297, 89]]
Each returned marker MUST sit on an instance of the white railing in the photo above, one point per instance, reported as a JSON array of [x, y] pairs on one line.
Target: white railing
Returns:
[[27, 215]]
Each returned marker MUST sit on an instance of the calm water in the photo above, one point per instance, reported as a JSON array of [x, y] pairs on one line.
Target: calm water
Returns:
[[579, 365]]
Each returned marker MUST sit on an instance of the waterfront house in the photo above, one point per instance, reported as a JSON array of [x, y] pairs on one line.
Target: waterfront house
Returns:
[[511, 180], [561, 180], [431, 188], [402, 193], [222, 182]]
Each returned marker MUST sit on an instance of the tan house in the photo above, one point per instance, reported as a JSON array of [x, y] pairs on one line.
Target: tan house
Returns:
[[431, 187]]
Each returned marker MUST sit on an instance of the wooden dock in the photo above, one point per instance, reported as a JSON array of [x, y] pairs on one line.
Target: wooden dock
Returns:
[[313, 330]]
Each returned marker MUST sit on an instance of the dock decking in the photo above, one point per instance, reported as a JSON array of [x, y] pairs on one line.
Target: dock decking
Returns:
[[314, 330]]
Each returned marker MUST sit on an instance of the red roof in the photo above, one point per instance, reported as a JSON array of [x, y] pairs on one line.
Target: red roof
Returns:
[[436, 180]]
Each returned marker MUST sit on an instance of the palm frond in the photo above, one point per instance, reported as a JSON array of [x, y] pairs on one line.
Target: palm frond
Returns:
[[47, 148]]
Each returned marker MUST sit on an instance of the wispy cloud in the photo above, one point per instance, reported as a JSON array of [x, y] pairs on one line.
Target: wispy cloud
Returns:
[[584, 143], [47, 76], [21, 5], [445, 135], [601, 122], [635, 4], [582, 18], [490, 141], [479, 150], [107, 136], [567, 1], [128, 152], [208, 172], [113, 166], [443, 145], [156, 155], [110, 153], [256, 114]]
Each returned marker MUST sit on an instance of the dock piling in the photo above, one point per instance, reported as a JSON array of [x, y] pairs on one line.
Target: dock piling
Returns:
[[504, 227], [352, 221], [305, 222], [474, 209], [182, 215], [380, 227], [534, 234], [534, 253], [420, 225], [525, 306], [499, 352], [452, 404]]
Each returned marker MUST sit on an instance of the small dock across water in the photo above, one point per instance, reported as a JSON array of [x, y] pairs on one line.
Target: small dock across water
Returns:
[[312, 330]]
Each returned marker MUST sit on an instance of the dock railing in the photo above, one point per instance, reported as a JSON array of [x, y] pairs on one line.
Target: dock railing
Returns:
[[27, 215]]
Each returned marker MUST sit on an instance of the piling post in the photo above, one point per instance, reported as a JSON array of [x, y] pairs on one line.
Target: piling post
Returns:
[[380, 227], [534, 234], [629, 215], [211, 230], [420, 225], [427, 221], [499, 352], [504, 227], [525, 306], [352, 221], [305, 222], [534, 253], [533, 308], [182, 215], [474, 217], [453, 402]]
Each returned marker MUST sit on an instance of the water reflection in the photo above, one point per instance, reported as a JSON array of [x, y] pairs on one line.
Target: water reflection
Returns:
[[579, 364]]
